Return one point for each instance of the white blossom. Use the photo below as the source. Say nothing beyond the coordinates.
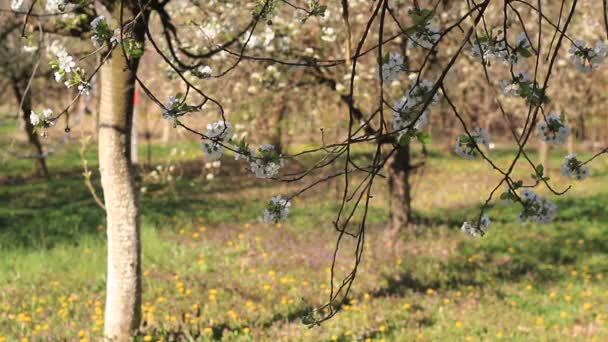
(54, 6)
(573, 168)
(266, 163)
(16, 5)
(42, 119)
(276, 210)
(328, 34)
(553, 130)
(588, 58)
(213, 149)
(473, 229)
(220, 130)
(392, 67)
(100, 29)
(84, 88)
(170, 113)
(536, 208)
(488, 52)
(408, 109)
(467, 147)
(425, 37)
(203, 71)
(65, 64)
(511, 88)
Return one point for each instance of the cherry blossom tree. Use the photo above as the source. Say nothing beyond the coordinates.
(391, 63)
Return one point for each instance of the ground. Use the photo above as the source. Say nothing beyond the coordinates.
(214, 271)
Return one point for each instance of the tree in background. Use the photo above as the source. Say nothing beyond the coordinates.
(16, 62)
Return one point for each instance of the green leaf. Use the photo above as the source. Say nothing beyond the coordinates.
(404, 139)
(423, 137)
(540, 169)
(524, 52)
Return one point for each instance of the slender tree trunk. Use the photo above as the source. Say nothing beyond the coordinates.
(32, 137)
(123, 297)
(398, 168)
(277, 139)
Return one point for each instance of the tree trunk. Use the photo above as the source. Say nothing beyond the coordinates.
(123, 297)
(277, 139)
(134, 137)
(32, 137)
(398, 168)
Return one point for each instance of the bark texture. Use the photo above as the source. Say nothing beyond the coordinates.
(398, 169)
(123, 296)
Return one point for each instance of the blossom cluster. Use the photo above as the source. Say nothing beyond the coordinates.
(64, 66)
(466, 146)
(475, 229)
(426, 37)
(553, 130)
(515, 87)
(536, 208)
(267, 162)
(588, 58)
(407, 110)
(573, 168)
(523, 86)
(219, 132)
(42, 119)
(424, 33)
(101, 32)
(176, 107)
(276, 210)
(391, 67)
(488, 49)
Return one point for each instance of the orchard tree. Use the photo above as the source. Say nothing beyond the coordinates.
(17, 60)
(392, 63)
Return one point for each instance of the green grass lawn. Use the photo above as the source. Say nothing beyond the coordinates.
(213, 271)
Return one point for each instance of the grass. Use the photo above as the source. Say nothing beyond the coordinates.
(213, 271)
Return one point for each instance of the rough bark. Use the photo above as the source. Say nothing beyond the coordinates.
(32, 137)
(398, 169)
(123, 296)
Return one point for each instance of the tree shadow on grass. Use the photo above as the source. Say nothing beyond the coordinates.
(41, 214)
(514, 252)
